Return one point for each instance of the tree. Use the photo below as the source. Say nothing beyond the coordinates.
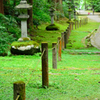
(1, 7)
(30, 12)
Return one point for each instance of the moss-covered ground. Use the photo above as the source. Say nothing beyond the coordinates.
(77, 77)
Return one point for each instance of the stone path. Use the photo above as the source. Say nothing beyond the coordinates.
(95, 17)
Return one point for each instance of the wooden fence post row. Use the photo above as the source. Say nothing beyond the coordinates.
(65, 39)
(45, 81)
(72, 26)
(75, 24)
(62, 41)
(59, 48)
(19, 90)
(80, 23)
(54, 55)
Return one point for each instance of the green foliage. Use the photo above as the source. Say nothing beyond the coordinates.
(5, 41)
(9, 32)
(66, 9)
(92, 4)
(8, 24)
(40, 12)
(24, 43)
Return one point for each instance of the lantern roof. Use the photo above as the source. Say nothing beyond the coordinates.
(23, 5)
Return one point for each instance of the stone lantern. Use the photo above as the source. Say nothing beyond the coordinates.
(52, 26)
(52, 14)
(23, 9)
(24, 45)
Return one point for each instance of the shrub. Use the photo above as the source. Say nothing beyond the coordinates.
(5, 41)
(9, 32)
(40, 12)
(10, 25)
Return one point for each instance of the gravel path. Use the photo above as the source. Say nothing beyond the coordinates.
(95, 17)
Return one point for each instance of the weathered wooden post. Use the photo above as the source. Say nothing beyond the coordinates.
(87, 20)
(72, 25)
(75, 24)
(54, 55)
(67, 34)
(59, 48)
(62, 42)
(83, 21)
(65, 37)
(19, 90)
(45, 81)
(80, 22)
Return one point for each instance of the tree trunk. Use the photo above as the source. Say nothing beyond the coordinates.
(30, 12)
(1, 7)
(58, 1)
(14, 3)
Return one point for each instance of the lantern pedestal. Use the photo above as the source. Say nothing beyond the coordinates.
(24, 28)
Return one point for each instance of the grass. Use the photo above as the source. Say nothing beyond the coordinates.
(76, 37)
(42, 35)
(77, 77)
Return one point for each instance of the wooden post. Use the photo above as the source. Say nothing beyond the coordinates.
(59, 48)
(67, 36)
(75, 24)
(80, 23)
(68, 33)
(87, 20)
(45, 81)
(54, 55)
(83, 21)
(62, 42)
(19, 90)
(72, 25)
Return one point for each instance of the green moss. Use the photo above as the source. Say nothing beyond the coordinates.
(25, 43)
(52, 27)
(19, 82)
(70, 21)
(24, 39)
(69, 10)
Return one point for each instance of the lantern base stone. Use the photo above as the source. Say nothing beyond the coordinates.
(24, 48)
(52, 27)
